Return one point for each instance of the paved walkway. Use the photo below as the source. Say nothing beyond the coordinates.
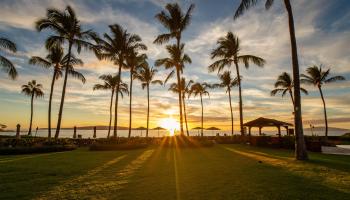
(338, 150)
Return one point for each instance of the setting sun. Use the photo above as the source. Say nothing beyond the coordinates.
(170, 124)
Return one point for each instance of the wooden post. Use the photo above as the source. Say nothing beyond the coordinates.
(260, 130)
(94, 136)
(18, 131)
(75, 132)
(250, 131)
(279, 131)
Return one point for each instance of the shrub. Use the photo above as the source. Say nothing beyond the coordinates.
(114, 147)
(35, 149)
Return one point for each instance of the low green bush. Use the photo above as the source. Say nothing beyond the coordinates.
(114, 147)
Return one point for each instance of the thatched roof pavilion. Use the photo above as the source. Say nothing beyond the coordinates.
(265, 122)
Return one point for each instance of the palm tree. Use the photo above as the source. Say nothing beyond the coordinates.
(300, 150)
(146, 75)
(32, 89)
(185, 88)
(175, 21)
(227, 82)
(317, 77)
(67, 29)
(201, 90)
(284, 84)
(56, 60)
(133, 62)
(176, 61)
(228, 53)
(115, 48)
(5, 64)
(110, 83)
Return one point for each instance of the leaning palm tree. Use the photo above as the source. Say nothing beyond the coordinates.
(175, 21)
(133, 62)
(56, 60)
(115, 48)
(201, 90)
(300, 150)
(67, 29)
(146, 75)
(283, 85)
(185, 89)
(317, 77)
(228, 53)
(227, 82)
(32, 89)
(110, 83)
(5, 64)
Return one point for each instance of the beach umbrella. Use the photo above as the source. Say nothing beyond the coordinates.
(141, 128)
(158, 128)
(213, 128)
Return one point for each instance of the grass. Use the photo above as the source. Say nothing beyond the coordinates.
(220, 172)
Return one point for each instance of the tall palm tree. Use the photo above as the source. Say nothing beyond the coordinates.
(284, 84)
(201, 90)
(317, 77)
(300, 150)
(115, 48)
(5, 64)
(133, 62)
(227, 82)
(110, 83)
(175, 21)
(228, 52)
(67, 29)
(146, 76)
(185, 89)
(32, 89)
(57, 60)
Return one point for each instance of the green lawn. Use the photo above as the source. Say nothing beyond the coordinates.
(221, 172)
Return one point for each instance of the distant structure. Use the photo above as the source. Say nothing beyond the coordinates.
(265, 122)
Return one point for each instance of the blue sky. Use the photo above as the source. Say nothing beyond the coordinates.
(322, 28)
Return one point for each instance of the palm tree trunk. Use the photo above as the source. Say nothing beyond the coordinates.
(229, 96)
(180, 100)
(324, 111)
(130, 101)
(31, 114)
(184, 105)
(291, 97)
(63, 92)
(110, 114)
(115, 133)
(178, 39)
(50, 102)
(147, 110)
(202, 116)
(300, 147)
(240, 100)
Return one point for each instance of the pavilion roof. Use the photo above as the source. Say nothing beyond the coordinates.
(265, 122)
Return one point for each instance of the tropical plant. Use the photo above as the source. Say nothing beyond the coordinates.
(110, 83)
(175, 21)
(227, 82)
(317, 77)
(300, 150)
(133, 62)
(56, 60)
(5, 64)
(32, 89)
(146, 75)
(283, 85)
(115, 48)
(176, 61)
(185, 88)
(201, 90)
(67, 29)
(228, 52)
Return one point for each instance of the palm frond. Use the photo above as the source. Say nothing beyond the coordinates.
(7, 45)
(8, 67)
